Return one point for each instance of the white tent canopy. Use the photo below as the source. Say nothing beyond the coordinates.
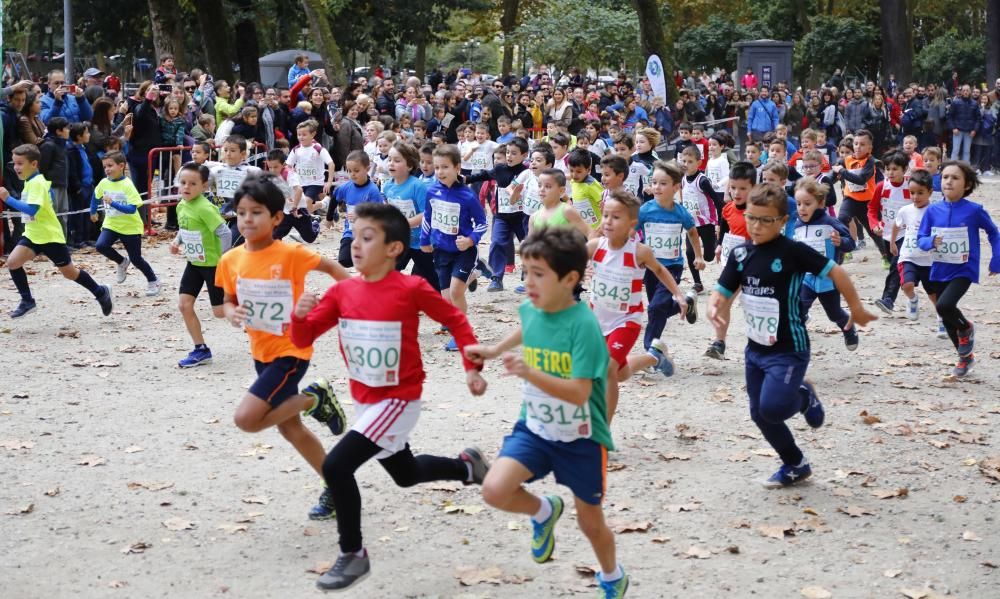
(274, 67)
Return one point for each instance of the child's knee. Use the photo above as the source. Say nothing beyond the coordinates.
(185, 304)
(495, 492)
(592, 525)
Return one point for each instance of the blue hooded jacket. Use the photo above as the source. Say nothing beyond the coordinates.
(821, 218)
(970, 216)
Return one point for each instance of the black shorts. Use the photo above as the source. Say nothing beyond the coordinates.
(196, 276)
(58, 253)
(344, 257)
(916, 274)
(278, 380)
(454, 265)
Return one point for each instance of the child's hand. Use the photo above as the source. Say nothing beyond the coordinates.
(427, 249)
(350, 217)
(106, 199)
(175, 248)
(307, 302)
(479, 353)
(718, 254)
(476, 382)
(877, 230)
(463, 243)
(860, 317)
(699, 263)
(938, 240)
(682, 302)
(837, 168)
(719, 318)
(835, 238)
(326, 188)
(4, 194)
(93, 218)
(514, 363)
(236, 316)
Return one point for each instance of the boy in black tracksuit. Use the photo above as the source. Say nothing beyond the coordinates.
(54, 167)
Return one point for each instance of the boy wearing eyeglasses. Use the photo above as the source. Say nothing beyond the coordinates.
(769, 271)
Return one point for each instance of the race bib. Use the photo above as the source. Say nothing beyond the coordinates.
(814, 237)
(307, 173)
(479, 162)
(664, 239)
(587, 212)
(192, 246)
(889, 211)
(532, 202)
(690, 204)
(954, 248)
(269, 303)
(405, 206)
(371, 349)
(611, 288)
(855, 187)
(910, 250)
(117, 197)
(444, 216)
(762, 315)
(504, 205)
(554, 419)
(730, 241)
(227, 181)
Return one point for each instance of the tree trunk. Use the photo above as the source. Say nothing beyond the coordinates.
(652, 40)
(421, 57)
(508, 21)
(168, 37)
(319, 23)
(897, 41)
(992, 41)
(215, 39)
(247, 47)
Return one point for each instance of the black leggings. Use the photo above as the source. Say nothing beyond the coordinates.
(133, 246)
(423, 265)
(708, 240)
(948, 295)
(301, 221)
(405, 469)
(857, 211)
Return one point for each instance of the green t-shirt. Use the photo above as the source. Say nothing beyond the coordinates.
(44, 226)
(198, 220)
(567, 344)
(122, 191)
(587, 200)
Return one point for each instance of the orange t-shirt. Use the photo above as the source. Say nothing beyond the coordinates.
(855, 191)
(268, 283)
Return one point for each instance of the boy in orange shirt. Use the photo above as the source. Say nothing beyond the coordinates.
(858, 173)
(262, 281)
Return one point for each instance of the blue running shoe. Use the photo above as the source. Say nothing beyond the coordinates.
(787, 476)
(851, 338)
(813, 411)
(197, 357)
(543, 539)
(105, 300)
(612, 590)
(664, 364)
(966, 341)
(520, 290)
(964, 364)
(27, 306)
(451, 346)
(323, 510)
(495, 285)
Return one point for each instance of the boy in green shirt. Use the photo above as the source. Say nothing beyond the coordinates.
(43, 233)
(202, 239)
(122, 221)
(563, 426)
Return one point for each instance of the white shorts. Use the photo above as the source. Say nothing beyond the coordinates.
(387, 423)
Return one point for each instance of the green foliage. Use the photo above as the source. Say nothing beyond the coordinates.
(781, 18)
(837, 42)
(952, 52)
(711, 45)
(582, 35)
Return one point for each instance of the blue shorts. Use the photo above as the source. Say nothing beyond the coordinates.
(579, 465)
(278, 380)
(916, 274)
(58, 253)
(314, 192)
(454, 265)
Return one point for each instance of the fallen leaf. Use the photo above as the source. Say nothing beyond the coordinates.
(117, 584)
(133, 449)
(615, 467)
(14, 444)
(320, 567)
(869, 418)
(470, 576)
(810, 511)
(970, 536)
(855, 511)
(939, 444)
(234, 528)
(739, 457)
(53, 491)
(25, 509)
(683, 507)
(290, 469)
(683, 457)
(471, 510)
(585, 570)
(250, 518)
(915, 593)
(178, 524)
(512, 525)
(258, 499)
(139, 547)
(814, 592)
(149, 486)
(310, 532)
(91, 460)
(779, 531)
(698, 552)
(889, 493)
(892, 573)
(990, 467)
(211, 421)
(766, 452)
(68, 333)
(626, 527)
(959, 498)
(660, 540)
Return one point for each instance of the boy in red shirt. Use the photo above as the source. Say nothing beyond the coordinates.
(699, 141)
(379, 314)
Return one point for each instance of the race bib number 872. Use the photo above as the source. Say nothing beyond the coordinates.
(268, 303)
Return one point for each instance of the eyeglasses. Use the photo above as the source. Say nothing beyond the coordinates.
(189, 89)
(764, 220)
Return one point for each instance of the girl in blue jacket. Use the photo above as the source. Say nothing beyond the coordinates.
(951, 229)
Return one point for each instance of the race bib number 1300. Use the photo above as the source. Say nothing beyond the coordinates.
(371, 349)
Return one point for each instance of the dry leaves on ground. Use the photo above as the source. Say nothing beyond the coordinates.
(176, 524)
(815, 592)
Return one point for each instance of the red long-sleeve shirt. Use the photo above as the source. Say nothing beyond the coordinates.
(397, 298)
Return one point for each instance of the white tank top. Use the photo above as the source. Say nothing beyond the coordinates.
(616, 289)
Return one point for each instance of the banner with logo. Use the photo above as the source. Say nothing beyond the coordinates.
(654, 72)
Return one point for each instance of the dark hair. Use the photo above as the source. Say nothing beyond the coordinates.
(684, 127)
(615, 163)
(520, 144)
(969, 173)
(580, 157)
(76, 130)
(560, 138)
(770, 194)
(390, 220)
(896, 157)
(922, 178)
(360, 157)
(204, 145)
(428, 148)
(27, 151)
(276, 155)
(450, 152)
(864, 133)
(564, 249)
(57, 123)
(670, 169)
(692, 151)
(556, 174)
(725, 139)
(201, 169)
(263, 189)
(743, 171)
(117, 157)
(237, 140)
(626, 139)
(547, 155)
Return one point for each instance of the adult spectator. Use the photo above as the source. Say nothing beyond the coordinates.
(523, 111)
(915, 112)
(225, 109)
(937, 119)
(878, 122)
(143, 133)
(559, 109)
(762, 118)
(283, 114)
(30, 128)
(112, 83)
(748, 81)
(856, 111)
(349, 136)
(953, 85)
(268, 116)
(630, 111)
(836, 80)
(93, 83)
(646, 93)
(963, 120)
(386, 101)
(10, 112)
(58, 101)
(794, 116)
(102, 125)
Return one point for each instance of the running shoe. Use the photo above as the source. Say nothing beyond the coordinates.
(813, 410)
(885, 263)
(24, 308)
(325, 406)
(699, 288)
(964, 364)
(122, 271)
(942, 332)
(884, 305)
(787, 476)
(348, 570)
(474, 458)
(153, 288)
(692, 307)
(664, 364)
(520, 290)
(484, 269)
(913, 308)
(716, 350)
(612, 590)
(473, 282)
(966, 341)
(543, 539)
(851, 338)
(509, 269)
(861, 244)
(106, 301)
(451, 345)
(197, 357)
(495, 285)
(324, 508)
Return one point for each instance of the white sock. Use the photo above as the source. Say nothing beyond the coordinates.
(613, 576)
(468, 466)
(544, 512)
(803, 463)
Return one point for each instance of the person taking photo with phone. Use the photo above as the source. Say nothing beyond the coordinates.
(64, 100)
